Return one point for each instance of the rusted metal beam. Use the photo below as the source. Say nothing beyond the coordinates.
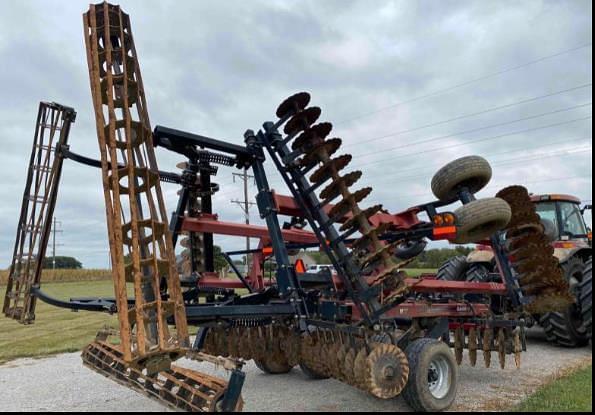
(141, 249)
(141, 245)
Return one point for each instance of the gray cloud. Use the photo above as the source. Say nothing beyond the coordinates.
(219, 68)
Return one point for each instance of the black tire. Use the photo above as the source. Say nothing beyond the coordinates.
(478, 272)
(481, 219)
(311, 373)
(566, 328)
(272, 367)
(409, 249)
(472, 172)
(586, 298)
(453, 270)
(426, 357)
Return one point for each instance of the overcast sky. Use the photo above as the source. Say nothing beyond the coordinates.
(221, 67)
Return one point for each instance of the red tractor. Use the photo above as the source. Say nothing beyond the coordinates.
(563, 219)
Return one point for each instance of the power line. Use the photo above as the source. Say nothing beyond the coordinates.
(505, 162)
(456, 86)
(493, 186)
(516, 150)
(563, 153)
(429, 140)
(488, 110)
(485, 139)
(474, 142)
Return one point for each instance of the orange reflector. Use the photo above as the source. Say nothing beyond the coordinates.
(445, 232)
(300, 267)
(267, 251)
(438, 220)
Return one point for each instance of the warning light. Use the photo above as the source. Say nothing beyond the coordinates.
(267, 251)
(444, 219)
(449, 218)
(300, 267)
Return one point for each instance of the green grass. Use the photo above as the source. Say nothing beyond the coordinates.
(572, 393)
(416, 272)
(55, 330)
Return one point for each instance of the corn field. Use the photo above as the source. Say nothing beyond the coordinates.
(66, 275)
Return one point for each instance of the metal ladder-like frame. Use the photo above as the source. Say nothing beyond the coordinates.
(37, 209)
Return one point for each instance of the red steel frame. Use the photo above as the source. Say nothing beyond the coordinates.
(426, 283)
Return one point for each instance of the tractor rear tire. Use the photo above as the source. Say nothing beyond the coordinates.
(566, 328)
(271, 366)
(472, 173)
(478, 272)
(586, 298)
(433, 376)
(480, 219)
(312, 374)
(453, 270)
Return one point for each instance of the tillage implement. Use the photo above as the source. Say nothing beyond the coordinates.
(362, 321)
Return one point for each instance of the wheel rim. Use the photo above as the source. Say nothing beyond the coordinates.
(439, 377)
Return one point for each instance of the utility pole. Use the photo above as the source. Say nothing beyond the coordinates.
(245, 206)
(54, 232)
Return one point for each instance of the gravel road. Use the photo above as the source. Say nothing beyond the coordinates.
(61, 383)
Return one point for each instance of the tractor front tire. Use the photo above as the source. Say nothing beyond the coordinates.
(472, 173)
(433, 376)
(480, 219)
(566, 328)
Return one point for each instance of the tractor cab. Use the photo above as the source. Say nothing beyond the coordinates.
(562, 217)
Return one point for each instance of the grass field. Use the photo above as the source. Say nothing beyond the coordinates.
(415, 272)
(55, 330)
(572, 393)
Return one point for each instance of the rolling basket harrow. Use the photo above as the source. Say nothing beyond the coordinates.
(366, 324)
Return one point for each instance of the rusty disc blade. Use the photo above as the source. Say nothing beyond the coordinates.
(316, 132)
(513, 193)
(375, 258)
(386, 273)
(348, 366)
(502, 348)
(320, 152)
(488, 335)
(353, 222)
(330, 169)
(345, 206)
(359, 368)
(472, 346)
(302, 120)
(387, 371)
(459, 338)
(334, 189)
(366, 239)
(294, 103)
